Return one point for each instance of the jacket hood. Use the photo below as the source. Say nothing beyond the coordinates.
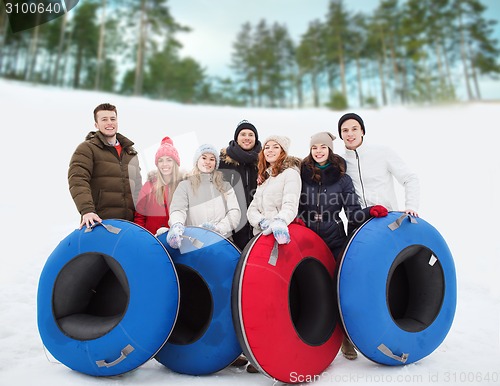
(152, 176)
(98, 139)
(292, 162)
(329, 175)
(224, 157)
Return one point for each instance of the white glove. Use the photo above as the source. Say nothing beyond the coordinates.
(210, 226)
(174, 237)
(161, 231)
(264, 225)
(280, 231)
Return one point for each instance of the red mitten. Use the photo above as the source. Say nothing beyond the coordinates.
(298, 221)
(378, 211)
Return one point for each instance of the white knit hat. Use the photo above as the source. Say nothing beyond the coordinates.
(206, 148)
(283, 141)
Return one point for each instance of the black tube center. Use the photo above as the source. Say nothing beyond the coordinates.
(312, 302)
(195, 309)
(415, 288)
(91, 296)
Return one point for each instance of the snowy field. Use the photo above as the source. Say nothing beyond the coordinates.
(454, 150)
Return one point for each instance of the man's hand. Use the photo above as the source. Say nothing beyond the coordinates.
(411, 212)
(89, 219)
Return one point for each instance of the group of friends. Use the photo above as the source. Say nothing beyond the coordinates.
(249, 187)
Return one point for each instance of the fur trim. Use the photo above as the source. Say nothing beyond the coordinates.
(224, 157)
(330, 175)
(292, 162)
(152, 176)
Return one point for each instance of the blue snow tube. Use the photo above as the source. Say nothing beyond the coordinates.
(204, 340)
(396, 289)
(108, 299)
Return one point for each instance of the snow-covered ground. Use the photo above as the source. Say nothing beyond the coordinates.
(454, 149)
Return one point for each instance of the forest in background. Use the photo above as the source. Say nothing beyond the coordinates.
(405, 52)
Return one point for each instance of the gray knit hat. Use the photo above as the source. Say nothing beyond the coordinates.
(283, 141)
(323, 138)
(206, 148)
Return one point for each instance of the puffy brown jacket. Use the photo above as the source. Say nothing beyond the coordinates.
(102, 182)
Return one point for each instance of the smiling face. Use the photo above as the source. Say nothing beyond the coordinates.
(272, 151)
(165, 166)
(246, 139)
(352, 134)
(319, 153)
(206, 163)
(107, 123)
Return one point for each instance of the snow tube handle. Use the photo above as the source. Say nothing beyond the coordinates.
(196, 243)
(273, 257)
(109, 228)
(123, 355)
(387, 351)
(396, 224)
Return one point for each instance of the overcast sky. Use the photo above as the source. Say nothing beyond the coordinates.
(215, 24)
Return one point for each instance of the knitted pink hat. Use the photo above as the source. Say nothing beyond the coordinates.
(167, 149)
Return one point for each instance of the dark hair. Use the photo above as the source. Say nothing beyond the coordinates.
(104, 107)
(337, 162)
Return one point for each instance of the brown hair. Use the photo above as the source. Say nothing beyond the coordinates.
(334, 159)
(263, 165)
(104, 107)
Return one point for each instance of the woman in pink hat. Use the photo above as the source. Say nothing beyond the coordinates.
(156, 194)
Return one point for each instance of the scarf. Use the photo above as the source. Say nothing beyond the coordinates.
(322, 167)
(243, 156)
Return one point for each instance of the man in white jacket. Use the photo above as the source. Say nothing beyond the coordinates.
(372, 169)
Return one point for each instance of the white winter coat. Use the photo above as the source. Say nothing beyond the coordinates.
(277, 197)
(372, 169)
(206, 204)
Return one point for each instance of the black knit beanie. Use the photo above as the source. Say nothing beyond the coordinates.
(245, 125)
(348, 116)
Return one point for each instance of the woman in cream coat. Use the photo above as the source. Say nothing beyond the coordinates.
(276, 201)
(203, 199)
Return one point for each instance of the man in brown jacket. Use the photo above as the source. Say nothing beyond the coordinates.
(104, 174)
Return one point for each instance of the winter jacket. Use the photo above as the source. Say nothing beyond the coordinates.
(242, 175)
(321, 203)
(206, 204)
(149, 213)
(277, 197)
(372, 169)
(103, 182)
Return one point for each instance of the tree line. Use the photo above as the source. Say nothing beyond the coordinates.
(412, 51)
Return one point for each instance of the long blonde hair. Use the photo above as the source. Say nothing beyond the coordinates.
(218, 179)
(160, 185)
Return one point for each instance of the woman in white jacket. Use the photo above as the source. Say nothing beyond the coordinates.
(203, 199)
(276, 200)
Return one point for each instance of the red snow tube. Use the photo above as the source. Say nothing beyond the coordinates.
(284, 306)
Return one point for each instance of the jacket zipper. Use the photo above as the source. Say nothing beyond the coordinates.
(361, 178)
(318, 207)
